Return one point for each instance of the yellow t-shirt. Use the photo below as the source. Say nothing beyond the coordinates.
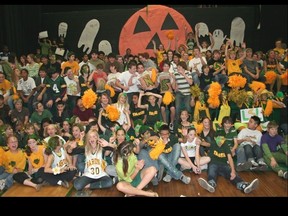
(233, 66)
(14, 160)
(1, 156)
(37, 158)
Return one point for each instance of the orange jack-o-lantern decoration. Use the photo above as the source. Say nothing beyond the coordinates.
(153, 22)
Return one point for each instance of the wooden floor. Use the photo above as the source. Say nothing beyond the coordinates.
(270, 186)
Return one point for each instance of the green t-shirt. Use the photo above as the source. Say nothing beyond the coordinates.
(229, 137)
(218, 154)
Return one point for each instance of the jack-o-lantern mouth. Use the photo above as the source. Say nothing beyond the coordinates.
(142, 26)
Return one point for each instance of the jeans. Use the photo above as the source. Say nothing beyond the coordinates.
(181, 100)
(253, 152)
(241, 156)
(103, 182)
(221, 79)
(215, 170)
(9, 179)
(170, 161)
(195, 78)
(144, 155)
(80, 164)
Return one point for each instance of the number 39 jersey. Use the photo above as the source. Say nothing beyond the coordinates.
(95, 166)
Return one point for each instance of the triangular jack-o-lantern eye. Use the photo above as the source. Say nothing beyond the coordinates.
(157, 40)
(141, 26)
(169, 23)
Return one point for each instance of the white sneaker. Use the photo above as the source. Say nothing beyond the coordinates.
(262, 163)
(252, 186)
(167, 178)
(203, 183)
(2, 184)
(254, 163)
(171, 126)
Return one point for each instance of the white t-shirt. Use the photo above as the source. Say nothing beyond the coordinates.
(190, 148)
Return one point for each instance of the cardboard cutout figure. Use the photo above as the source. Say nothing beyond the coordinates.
(237, 31)
(88, 35)
(62, 29)
(219, 38)
(105, 46)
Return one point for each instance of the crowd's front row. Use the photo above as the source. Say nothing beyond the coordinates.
(98, 161)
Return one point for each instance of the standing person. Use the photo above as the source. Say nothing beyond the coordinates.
(132, 177)
(184, 81)
(94, 175)
(129, 80)
(58, 169)
(167, 83)
(37, 158)
(220, 154)
(275, 150)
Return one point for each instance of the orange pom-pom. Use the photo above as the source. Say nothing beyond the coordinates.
(270, 77)
(170, 34)
(89, 98)
(257, 87)
(168, 98)
(269, 108)
(236, 81)
(153, 75)
(214, 91)
(284, 78)
(112, 113)
(112, 91)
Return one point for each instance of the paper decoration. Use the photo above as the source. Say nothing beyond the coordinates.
(43, 34)
(88, 35)
(237, 31)
(62, 29)
(105, 46)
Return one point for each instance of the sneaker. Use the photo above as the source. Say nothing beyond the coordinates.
(254, 163)
(83, 193)
(167, 178)
(2, 184)
(281, 173)
(252, 186)
(115, 180)
(160, 172)
(243, 166)
(285, 175)
(204, 184)
(171, 127)
(262, 163)
(185, 179)
(65, 184)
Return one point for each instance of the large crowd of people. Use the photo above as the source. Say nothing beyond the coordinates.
(101, 120)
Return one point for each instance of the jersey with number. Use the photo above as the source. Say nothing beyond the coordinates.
(95, 165)
(56, 86)
(59, 160)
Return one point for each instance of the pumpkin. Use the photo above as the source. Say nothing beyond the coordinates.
(153, 22)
